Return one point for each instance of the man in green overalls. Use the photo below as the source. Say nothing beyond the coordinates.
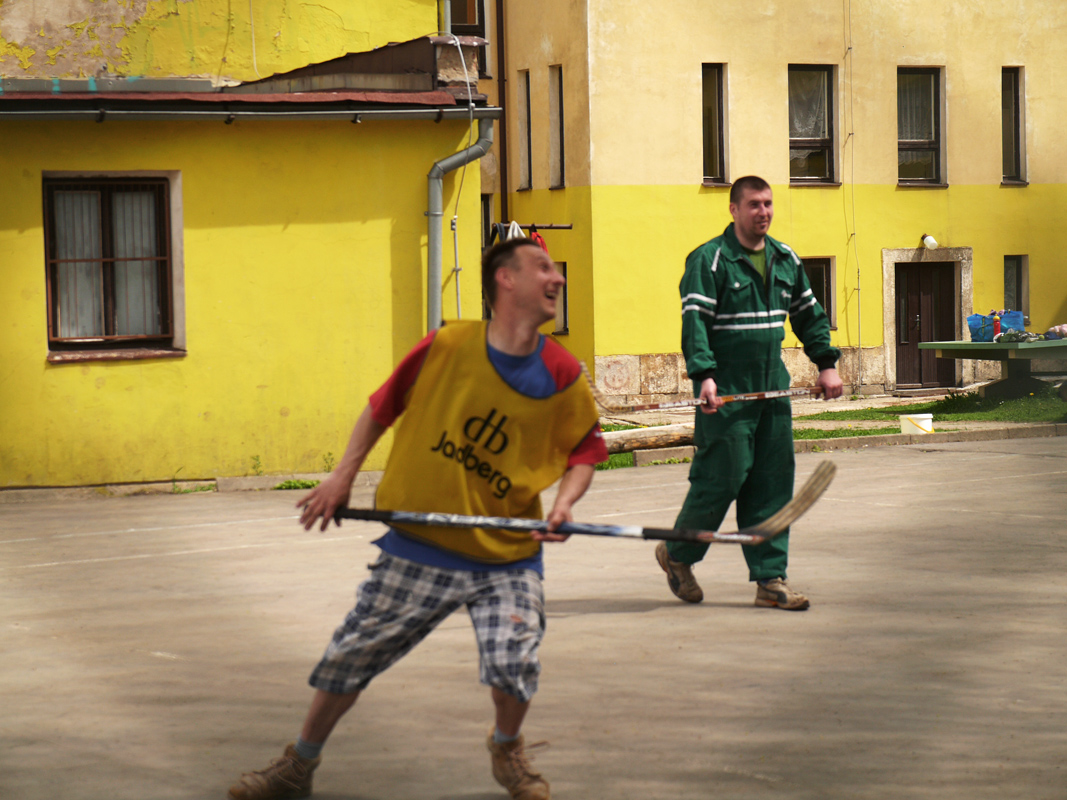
(737, 291)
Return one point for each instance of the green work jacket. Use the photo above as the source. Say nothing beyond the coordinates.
(733, 321)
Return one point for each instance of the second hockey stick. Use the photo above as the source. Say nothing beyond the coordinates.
(622, 408)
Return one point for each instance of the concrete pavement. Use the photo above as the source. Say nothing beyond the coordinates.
(158, 646)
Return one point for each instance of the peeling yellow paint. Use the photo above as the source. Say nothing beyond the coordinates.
(206, 38)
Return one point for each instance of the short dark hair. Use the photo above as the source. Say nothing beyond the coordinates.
(500, 255)
(752, 182)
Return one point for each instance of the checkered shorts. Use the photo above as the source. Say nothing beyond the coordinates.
(402, 601)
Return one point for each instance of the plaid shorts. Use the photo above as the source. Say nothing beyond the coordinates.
(402, 601)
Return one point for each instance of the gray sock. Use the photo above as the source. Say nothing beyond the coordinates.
(500, 738)
(307, 749)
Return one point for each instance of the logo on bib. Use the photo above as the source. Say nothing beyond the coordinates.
(474, 429)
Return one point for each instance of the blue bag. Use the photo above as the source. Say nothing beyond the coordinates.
(981, 325)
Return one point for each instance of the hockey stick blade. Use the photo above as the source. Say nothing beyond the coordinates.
(812, 490)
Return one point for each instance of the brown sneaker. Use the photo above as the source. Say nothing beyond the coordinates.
(776, 593)
(286, 777)
(679, 576)
(512, 770)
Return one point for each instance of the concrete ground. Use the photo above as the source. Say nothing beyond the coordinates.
(158, 646)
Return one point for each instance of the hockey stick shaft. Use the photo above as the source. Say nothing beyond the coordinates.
(691, 402)
(757, 534)
(531, 525)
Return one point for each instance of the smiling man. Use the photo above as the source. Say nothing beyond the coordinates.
(737, 291)
(488, 415)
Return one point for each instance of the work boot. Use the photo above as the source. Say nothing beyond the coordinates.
(679, 576)
(286, 777)
(512, 770)
(776, 593)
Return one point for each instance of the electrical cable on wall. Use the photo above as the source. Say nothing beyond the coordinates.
(463, 173)
(252, 25)
(850, 55)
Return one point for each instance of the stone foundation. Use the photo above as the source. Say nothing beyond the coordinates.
(662, 377)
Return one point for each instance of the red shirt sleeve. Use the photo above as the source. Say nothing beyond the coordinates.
(565, 369)
(391, 399)
(591, 450)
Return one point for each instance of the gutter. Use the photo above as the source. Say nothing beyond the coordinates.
(228, 115)
(435, 213)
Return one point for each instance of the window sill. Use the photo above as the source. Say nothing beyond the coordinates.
(714, 182)
(795, 184)
(524, 189)
(921, 185)
(557, 186)
(133, 354)
(1015, 184)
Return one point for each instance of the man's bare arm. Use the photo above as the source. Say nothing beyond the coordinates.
(333, 492)
(575, 481)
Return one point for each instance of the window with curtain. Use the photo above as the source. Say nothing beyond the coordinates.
(918, 125)
(1011, 123)
(712, 101)
(108, 263)
(811, 123)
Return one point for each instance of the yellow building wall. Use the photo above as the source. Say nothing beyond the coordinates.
(205, 38)
(641, 107)
(305, 283)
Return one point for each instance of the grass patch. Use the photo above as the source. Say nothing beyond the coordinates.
(617, 461)
(838, 433)
(298, 484)
(209, 487)
(1043, 406)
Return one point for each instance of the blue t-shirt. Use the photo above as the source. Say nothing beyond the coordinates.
(527, 375)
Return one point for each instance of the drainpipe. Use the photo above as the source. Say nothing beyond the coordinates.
(435, 212)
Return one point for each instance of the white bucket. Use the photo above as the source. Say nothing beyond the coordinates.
(917, 423)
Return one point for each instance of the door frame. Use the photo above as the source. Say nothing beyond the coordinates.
(963, 281)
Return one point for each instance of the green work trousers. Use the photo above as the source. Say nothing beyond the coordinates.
(744, 452)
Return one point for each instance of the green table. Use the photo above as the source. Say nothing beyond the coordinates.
(1016, 357)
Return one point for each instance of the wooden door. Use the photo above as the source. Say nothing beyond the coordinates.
(926, 312)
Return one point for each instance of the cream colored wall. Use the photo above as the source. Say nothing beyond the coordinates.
(539, 35)
(649, 208)
(304, 285)
(205, 38)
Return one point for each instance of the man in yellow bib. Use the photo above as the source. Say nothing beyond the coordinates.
(490, 414)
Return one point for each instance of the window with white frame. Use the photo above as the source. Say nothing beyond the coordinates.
(113, 278)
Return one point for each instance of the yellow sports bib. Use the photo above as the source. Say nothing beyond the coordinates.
(470, 444)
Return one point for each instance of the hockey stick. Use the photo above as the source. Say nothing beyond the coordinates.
(756, 534)
(604, 403)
